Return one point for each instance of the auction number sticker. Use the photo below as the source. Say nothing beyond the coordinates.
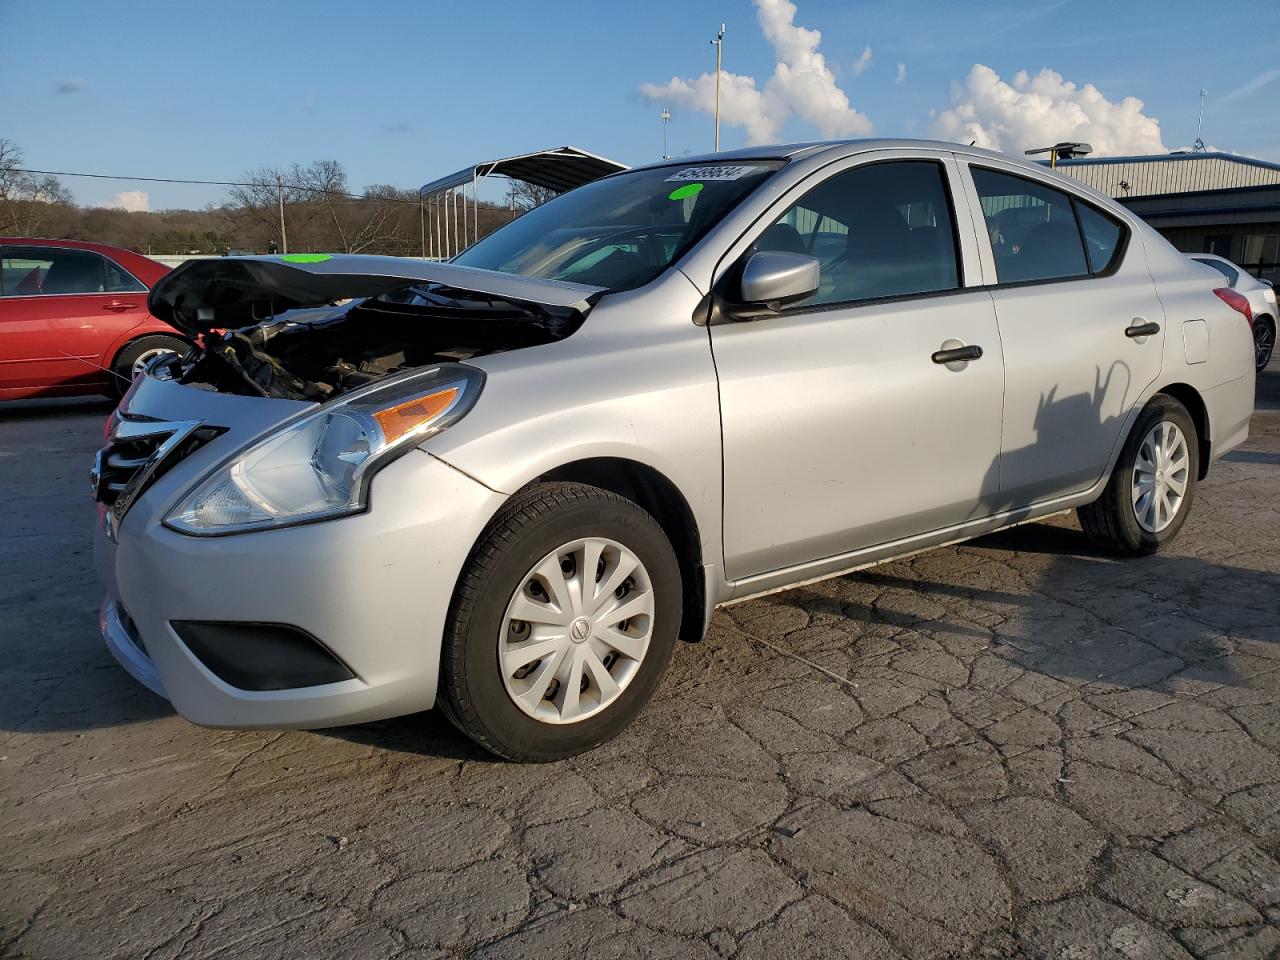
(716, 171)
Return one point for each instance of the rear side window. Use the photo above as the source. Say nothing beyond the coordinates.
(1222, 268)
(881, 230)
(1032, 229)
(118, 281)
(1101, 236)
(48, 271)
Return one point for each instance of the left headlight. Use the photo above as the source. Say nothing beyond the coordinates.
(319, 465)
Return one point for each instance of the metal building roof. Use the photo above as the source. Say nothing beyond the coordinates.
(559, 169)
(1164, 174)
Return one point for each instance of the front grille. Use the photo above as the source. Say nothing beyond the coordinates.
(139, 452)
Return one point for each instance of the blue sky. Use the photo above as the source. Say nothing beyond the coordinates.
(403, 92)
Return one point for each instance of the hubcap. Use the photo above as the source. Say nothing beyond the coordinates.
(1264, 340)
(1160, 475)
(576, 631)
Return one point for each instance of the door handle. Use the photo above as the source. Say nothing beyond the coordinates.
(117, 306)
(956, 354)
(1150, 328)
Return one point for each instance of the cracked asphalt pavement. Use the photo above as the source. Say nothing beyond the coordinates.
(1015, 747)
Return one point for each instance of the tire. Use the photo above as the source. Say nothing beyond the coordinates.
(1264, 341)
(499, 579)
(141, 349)
(1112, 522)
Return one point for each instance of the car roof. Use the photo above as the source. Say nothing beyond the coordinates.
(839, 149)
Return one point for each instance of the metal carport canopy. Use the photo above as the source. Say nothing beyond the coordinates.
(559, 169)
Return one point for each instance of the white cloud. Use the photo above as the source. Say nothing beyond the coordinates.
(902, 74)
(802, 85)
(1042, 110)
(135, 201)
(863, 62)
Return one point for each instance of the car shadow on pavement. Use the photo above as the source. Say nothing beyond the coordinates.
(46, 408)
(428, 733)
(1166, 622)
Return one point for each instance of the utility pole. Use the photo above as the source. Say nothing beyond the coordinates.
(284, 237)
(718, 43)
(666, 119)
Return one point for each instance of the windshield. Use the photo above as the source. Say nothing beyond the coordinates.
(622, 231)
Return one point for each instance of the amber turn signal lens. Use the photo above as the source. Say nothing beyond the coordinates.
(405, 417)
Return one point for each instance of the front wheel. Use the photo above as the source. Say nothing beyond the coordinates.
(1148, 497)
(562, 624)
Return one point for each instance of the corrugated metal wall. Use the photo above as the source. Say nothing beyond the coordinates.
(1175, 174)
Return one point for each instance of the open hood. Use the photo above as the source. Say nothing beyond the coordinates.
(228, 292)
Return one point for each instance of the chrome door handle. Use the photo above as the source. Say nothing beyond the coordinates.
(955, 354)
(1147, 329)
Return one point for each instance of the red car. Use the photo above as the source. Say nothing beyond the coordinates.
(73, 318)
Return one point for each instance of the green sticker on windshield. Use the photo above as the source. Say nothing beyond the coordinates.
(305, 257)
(688, 190)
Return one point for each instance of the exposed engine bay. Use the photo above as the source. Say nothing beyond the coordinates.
(317, 353)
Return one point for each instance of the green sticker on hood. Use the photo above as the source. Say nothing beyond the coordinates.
(688, 190)
(306, 257)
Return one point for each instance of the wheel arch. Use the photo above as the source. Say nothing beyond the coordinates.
(1190, 398)
(652, 490)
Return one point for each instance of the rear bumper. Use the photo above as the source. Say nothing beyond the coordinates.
(1230, 407)
(374, 588)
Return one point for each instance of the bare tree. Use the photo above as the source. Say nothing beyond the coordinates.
(26, 199)
(522, 195)
(320, 211)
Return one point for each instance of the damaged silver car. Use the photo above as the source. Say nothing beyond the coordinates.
(507, 485)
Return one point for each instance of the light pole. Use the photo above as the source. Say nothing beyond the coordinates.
(718, 43)
(666, 119)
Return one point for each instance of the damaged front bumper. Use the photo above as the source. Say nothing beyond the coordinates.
(373, 590)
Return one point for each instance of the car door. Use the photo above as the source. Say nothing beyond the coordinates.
(60, 310)
(1081, 325)
(840, 431)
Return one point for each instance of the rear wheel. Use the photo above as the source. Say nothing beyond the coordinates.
(1264, 341)
(1148, 497)
(562, 624)
(135, 355)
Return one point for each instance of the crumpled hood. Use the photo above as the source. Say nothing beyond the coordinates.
(227, 292)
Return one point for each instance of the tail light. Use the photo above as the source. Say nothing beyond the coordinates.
(1236, 302)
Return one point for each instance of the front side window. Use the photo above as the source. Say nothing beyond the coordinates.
(47, 271)
(623, 231)
(879, 230)
(1032, 229)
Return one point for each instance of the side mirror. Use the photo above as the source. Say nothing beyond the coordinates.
(773, 278)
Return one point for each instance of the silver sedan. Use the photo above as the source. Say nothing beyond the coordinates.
(508, 485)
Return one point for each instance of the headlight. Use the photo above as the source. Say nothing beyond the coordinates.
(319, 466)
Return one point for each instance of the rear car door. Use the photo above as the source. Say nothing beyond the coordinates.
(60, 311)
(840, 431)
(1081, 326)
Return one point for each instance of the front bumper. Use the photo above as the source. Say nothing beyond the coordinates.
(374, 588)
